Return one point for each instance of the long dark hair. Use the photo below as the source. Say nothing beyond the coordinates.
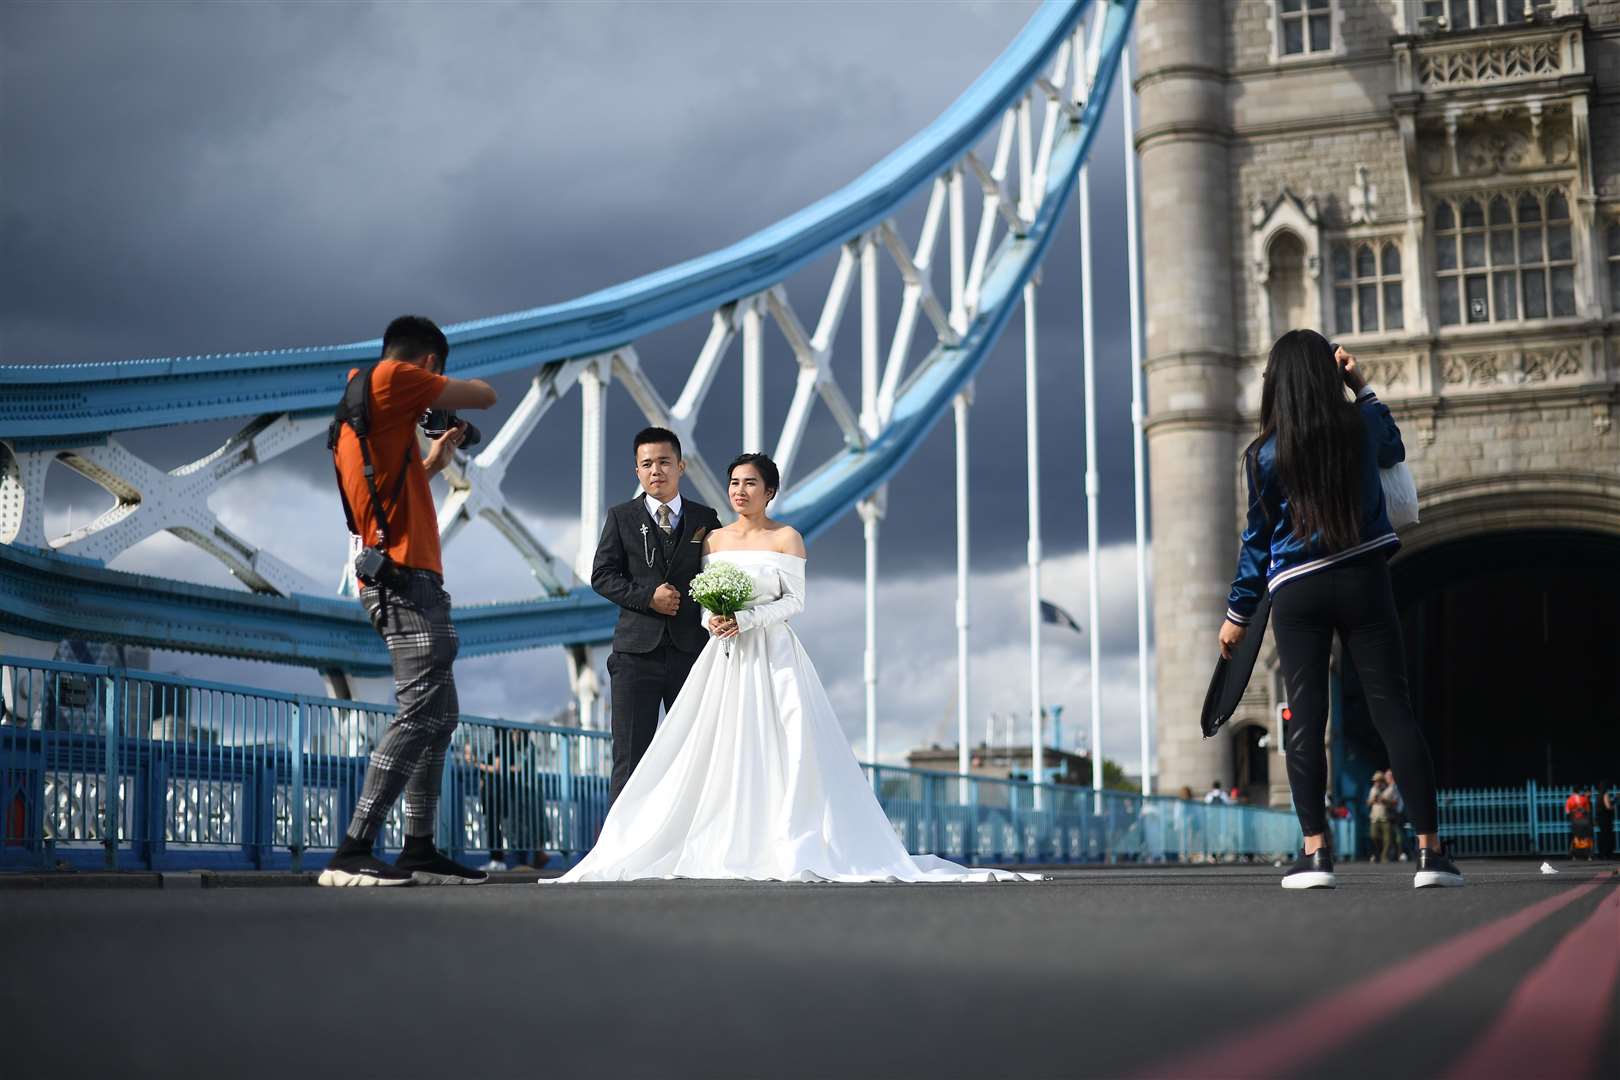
(1319, 439)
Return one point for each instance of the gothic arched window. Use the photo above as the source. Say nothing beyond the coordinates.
(1286, 283)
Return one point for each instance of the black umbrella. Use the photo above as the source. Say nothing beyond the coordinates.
(1231, 676)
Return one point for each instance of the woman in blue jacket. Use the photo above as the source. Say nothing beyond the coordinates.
(1318, 540)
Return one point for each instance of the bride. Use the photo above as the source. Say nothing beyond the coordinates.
(750, 776)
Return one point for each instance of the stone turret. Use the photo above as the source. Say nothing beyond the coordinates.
(1190, 365)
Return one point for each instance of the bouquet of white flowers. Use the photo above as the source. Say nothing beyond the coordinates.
(723, 588)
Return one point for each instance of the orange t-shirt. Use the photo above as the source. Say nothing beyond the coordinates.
(400, 393)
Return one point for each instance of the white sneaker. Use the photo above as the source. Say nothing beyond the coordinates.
(493, 864)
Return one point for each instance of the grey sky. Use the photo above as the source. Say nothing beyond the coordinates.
(182, 178)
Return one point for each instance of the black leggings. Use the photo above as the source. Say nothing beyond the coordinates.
(1355, 599)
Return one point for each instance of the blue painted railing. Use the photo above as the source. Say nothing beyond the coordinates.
(1526, 820)
(104, 766)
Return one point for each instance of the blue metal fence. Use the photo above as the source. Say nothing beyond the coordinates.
(1008, 821)
(1526, 820)
(103, 766)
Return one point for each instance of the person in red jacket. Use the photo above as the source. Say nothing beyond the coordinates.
(1578, 809)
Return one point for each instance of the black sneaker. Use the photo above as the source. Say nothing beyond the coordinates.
(1435, 870)
(432, 867)
(1314, 871)
(362, 868)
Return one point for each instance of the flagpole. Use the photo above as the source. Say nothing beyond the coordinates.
(962, 710)
(1092, 484)
(1032, 424)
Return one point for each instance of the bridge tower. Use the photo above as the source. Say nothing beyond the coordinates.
(1435, 185)
(1190, 365)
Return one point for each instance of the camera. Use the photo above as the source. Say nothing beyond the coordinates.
(373, 565)
(435, 422)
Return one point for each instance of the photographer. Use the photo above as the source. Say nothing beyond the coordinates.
(383, 480)
(1317, 541)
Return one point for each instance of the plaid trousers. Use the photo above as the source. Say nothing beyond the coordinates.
(422, 644)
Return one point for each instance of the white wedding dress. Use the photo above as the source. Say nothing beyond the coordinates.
(749, 776)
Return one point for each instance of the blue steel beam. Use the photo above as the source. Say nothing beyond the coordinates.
(55, 404)
(52, 596)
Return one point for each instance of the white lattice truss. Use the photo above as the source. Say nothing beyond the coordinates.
(148, 500)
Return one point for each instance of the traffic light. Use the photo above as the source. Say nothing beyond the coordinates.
(1284, 715)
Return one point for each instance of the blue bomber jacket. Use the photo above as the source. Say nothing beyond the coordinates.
(1272, 555)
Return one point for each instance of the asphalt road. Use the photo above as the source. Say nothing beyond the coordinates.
(1107, 972)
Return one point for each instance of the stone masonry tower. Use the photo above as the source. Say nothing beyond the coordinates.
(1190, 362)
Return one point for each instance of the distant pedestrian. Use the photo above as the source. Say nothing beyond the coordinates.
(1317, 541)
(1603, 814)
(1578, 812)
(1399, 820)
(1216, 795)
(1186, 792)
(506, 796)
(1381, 816)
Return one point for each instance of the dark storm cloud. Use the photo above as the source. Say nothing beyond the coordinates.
(192, 178)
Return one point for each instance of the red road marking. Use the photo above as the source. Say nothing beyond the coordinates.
(1555, 1022)
(1312, 1031)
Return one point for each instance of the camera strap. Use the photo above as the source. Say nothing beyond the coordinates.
(355, 411)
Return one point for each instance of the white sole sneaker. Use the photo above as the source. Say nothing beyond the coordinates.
(1311, 879)
(342, 878)
(1434, 879)
(422, 877)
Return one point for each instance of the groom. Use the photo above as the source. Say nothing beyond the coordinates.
(651, 548)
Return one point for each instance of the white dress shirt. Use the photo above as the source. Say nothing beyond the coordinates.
(674, 509)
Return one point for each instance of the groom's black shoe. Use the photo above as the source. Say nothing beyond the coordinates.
(429, 866)
(1313, 871)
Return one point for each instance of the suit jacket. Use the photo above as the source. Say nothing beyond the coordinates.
(632, 561)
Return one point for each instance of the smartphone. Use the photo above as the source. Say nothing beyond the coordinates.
(1343, 373)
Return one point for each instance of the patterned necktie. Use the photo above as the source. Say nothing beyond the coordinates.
(664, 522)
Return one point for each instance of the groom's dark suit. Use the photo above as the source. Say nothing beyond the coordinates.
(652, 653)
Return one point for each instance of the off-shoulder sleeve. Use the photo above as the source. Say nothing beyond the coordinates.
(780, 610)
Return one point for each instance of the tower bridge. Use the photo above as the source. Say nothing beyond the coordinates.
(1350, 169)
(1433, 182)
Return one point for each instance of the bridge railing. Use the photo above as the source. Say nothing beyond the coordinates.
(987, 820)
(105, 766)
(1526, 820)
